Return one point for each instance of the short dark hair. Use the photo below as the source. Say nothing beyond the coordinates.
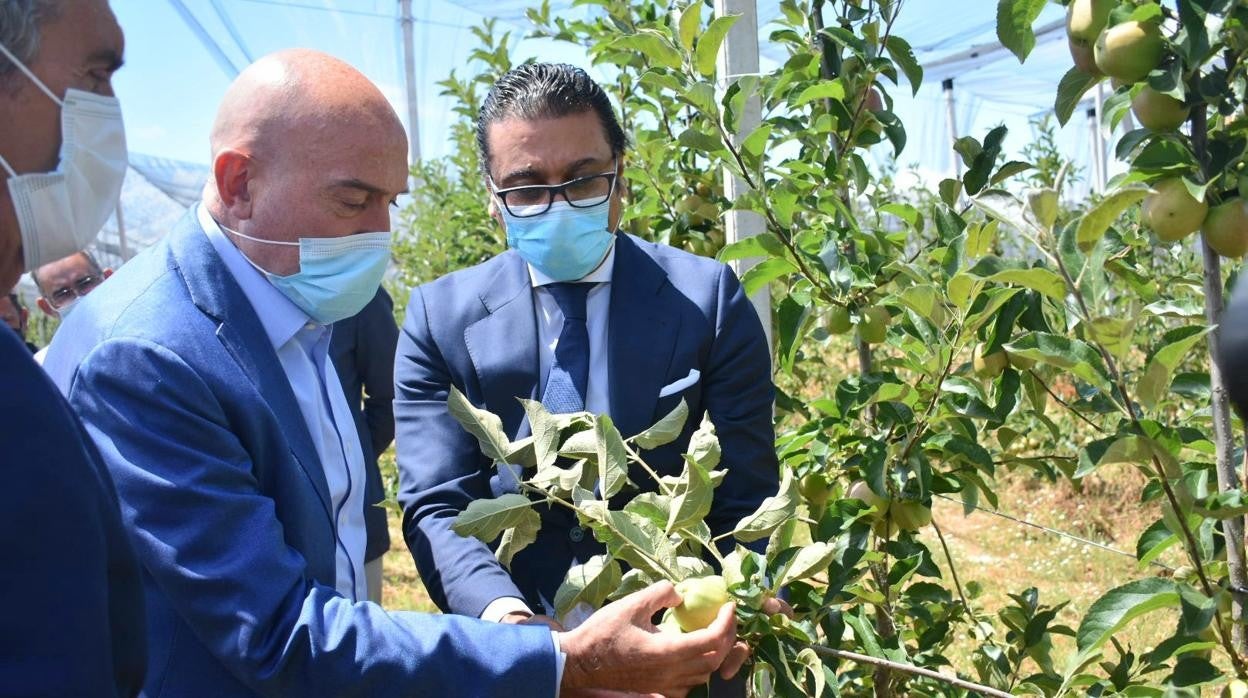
(94, 265)
(546, 91)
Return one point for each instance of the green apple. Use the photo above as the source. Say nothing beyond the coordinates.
(1129, 51)
(701, 599)
(1021, 363)
(874, 326)
(862, 491)
(669, 624)
(1157, 111)
(1085, 19)
(815, 488)
(1171, 210)
(836, 320)
(990, 365)
(1226, 228)
(1235, 689)
(909, 515)
(1082, 53)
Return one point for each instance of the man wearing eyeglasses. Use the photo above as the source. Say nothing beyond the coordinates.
(580, 317)
(63, 282)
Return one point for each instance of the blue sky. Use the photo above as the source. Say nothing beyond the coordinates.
(171, 84)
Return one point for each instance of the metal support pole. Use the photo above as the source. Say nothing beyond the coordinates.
(121, 235)
(1101, 155)
(409, 75)
(951, 118)
(1098, 152)
(739, 56)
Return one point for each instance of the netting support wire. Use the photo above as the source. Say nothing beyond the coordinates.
(1054, 531)
(739, 56)
(121, 234)
(1099, 138)
(951, 118)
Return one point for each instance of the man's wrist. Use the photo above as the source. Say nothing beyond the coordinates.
(503, 606)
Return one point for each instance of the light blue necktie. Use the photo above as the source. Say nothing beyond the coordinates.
(569, 373)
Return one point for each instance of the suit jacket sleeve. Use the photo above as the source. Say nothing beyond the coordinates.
(738, 396)
(377, 337)
(441, 471)
(213, 545)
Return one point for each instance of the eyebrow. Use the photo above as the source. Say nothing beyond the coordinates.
(529, 172)
(360, 184)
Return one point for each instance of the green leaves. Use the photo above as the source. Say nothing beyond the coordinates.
(612, 457)
(1014, 20)
(487, 427)
(1160, 371)
(654, 46)
(708, 44)
(589, 583)
(901, 53)
(1070, 91)
(1098, 219)
(486, 519)
(773, 512)
(666, 430)
(1072, 355)
(1119, 607)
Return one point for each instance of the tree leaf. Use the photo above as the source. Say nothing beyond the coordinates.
(1153, 542)
(704, 445)
(1071, 355)
(690, 22)
(1157, 376)
(1098, 219)
(765, 244)
(637, 541)
(1007, 208)
(1070, 91)
(809, 561)
(765, 272)
(484, 425)
(589, 583)
(1120, 606)
(666, 430)
(825, 89)
(691, 498)
(612, 457)
(773, 512)
(653, 45)
(1037, 279)
(485, 519)
(708, 44)
(1014, 20)
(546, 434)
(901, 53)
(518, 538)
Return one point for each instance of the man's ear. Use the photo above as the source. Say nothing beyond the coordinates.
(232, 174)
(46, 307)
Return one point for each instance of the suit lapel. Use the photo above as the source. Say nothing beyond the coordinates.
(642, 331)
(503, 344)
(216, 293)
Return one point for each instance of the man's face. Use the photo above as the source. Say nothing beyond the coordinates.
(551, 151)
(80, 48)
(64, 281)
(13, 316)
(330, 183)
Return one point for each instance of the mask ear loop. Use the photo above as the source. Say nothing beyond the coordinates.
(27, 72)
(7, 168)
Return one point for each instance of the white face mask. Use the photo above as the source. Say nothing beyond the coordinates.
(60, 213)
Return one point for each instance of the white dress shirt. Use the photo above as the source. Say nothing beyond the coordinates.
(302, 347)
(597, 392)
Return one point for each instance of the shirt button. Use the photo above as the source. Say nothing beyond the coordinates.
(577, 534)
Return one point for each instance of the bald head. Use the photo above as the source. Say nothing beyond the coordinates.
(303, 145)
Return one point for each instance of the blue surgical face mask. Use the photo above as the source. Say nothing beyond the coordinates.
(337, 277)
(565, 243)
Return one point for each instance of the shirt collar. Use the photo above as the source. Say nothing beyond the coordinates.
(600, 275)
(279, 316)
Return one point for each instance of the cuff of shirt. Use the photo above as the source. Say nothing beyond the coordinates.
(560, 660)
(502, 606)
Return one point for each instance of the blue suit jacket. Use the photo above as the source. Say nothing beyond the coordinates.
(670, 312)
(72, 623)
(228, 508)
(362, 348)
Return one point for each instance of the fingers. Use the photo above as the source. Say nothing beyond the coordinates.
(653, 599)
(735, 660)
(544, 620)
(774, 605)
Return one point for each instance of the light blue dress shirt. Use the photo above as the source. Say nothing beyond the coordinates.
(302, 347)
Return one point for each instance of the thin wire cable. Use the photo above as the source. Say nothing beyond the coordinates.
(361, 13)
(1054, 531)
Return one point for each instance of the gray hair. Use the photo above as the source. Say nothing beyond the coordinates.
(20, 22)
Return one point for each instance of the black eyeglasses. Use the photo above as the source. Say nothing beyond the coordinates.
(68, 294)
(536, 199)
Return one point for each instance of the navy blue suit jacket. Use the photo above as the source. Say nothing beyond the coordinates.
(362, 348)
(670, 312)
(227, 505)
(72, 623)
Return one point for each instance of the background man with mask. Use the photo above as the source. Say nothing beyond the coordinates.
(201, 371)
(63, 282)
(576, 316)
(73, 618)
